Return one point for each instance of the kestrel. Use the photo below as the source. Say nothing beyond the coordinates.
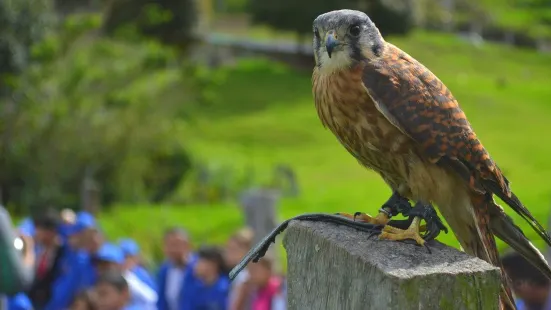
(398, 119)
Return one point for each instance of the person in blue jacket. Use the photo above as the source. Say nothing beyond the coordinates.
(110, 257)
(78, 269)
(19, 302)
(172, 273)
(90, 239)
(68, 219)
(208, 286)
(131, 251)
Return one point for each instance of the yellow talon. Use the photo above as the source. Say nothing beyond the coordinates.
(381, 218)
(393, 233)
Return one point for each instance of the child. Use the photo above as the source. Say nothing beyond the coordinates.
(237, 246)
(112, 292)
(110, 257)
(84, 301)
(208, 286)
(131, 251)
(268, 288)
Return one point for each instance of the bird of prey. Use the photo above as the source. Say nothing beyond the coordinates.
(398, 119)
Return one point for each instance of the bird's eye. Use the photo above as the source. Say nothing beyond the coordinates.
(355, 30)
(316, 32)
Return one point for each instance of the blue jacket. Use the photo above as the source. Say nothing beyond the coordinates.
(42, 288)
(198, 296)
(162, 303)
(133, 307)
(78, 274)
(19, 302)
(145, 276)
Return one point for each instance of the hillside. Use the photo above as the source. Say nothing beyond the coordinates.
(264, 115)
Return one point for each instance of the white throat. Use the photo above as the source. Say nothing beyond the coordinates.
(338, 62)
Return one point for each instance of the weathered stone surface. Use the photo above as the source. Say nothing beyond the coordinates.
(336, 267)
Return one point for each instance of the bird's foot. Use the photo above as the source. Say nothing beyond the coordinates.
(433, 223)
(395, 205)
(381, 219)
(432, 228)
(397, 234)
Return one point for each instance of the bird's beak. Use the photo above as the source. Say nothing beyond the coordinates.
(331, 42)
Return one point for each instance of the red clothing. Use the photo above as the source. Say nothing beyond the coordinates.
(43, 264)
(264, 296)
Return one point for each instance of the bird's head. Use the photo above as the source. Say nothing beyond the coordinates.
(343, 38)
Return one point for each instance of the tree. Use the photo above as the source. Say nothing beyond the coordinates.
(392, 16)
(22, 23)
(297, 16)
(102, 108)
(170, 21)
(291, 15)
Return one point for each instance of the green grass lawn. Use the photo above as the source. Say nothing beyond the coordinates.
(264, 115)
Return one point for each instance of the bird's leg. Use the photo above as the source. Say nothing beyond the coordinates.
(393, 233)
(420, 211)
(395, 205)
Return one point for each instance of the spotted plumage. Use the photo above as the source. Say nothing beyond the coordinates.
(398, 119)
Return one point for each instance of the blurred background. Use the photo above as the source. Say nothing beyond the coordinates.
(199, 113)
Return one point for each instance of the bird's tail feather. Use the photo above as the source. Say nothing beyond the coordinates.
(485, 246)
(512, 201)
(504, 228)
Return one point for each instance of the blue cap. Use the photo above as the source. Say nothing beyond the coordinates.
(109, 252)
(129, 247)
(26, 227)
(83, 221)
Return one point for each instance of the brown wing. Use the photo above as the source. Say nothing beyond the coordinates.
(413, 99)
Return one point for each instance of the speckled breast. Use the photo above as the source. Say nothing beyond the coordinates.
(344, 107)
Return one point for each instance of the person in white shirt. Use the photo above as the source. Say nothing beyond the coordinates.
(140, 293)
(109, 257)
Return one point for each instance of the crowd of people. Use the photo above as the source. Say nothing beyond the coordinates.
(77, 268)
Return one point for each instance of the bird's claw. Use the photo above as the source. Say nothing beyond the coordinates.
(396, 205)
(400, 205)
(433, 222)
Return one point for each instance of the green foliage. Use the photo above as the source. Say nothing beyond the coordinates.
(291, 15)
(396, 19)
(167, 172)
(169, 21)
(70, 6)
(98, 106)
(22, 23)
(145, 223)
(214, 184)
(297, 16)
(522, 17)
(235, 6)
